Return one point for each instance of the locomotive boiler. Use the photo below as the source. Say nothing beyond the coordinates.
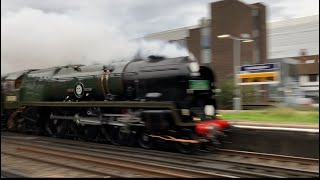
(143, 101)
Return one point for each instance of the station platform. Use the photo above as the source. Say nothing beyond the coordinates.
(275, 124)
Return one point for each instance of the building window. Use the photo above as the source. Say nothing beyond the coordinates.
(311, 61)
(205, 42)
(205, 38)
(255, 12)
(206, 56)
(313, 77)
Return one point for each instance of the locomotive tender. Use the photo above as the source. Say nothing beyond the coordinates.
(141, 101)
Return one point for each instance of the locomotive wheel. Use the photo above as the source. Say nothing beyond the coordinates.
(74, 130)
(125, 137)
(62, 128)
(21, 125)
(111, 133)
(145, 141)
(50, 128)
(212, 145)
(187, 148)
(117, 135)
(88, 133)
(31, 118)
(57, 127)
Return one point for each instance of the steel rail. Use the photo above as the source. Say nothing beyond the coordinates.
(133, 152)
(145, 168)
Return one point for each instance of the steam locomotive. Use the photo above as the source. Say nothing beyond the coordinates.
(143, 102)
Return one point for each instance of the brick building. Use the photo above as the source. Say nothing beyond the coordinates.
(227, 17)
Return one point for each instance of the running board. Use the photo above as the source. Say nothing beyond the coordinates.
(170, 138)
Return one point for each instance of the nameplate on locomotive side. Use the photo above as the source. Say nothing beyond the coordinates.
(11, 98)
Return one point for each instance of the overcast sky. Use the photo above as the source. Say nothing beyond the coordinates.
(60, 31)
(140, 17)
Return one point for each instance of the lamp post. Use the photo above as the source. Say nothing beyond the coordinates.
(236, 64)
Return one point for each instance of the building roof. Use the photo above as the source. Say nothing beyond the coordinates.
(284, 38)
(174, 34)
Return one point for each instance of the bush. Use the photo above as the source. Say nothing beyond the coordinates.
(225, 97)
(247, 94)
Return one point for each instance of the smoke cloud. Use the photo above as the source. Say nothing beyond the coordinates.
(32, 38)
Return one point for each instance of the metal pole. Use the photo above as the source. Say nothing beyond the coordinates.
(236, 62)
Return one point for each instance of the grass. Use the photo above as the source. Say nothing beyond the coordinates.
(277, 114)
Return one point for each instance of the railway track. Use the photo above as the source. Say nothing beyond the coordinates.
(60, 156)
(271, 157)
(224, 163)
(11, 173)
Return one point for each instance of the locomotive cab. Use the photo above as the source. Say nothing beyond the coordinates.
(10, 87)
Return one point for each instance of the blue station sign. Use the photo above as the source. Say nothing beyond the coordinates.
(259, 68)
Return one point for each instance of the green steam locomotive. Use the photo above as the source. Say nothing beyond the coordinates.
(142, 101)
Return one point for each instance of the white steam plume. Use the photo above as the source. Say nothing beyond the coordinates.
(31, 38)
